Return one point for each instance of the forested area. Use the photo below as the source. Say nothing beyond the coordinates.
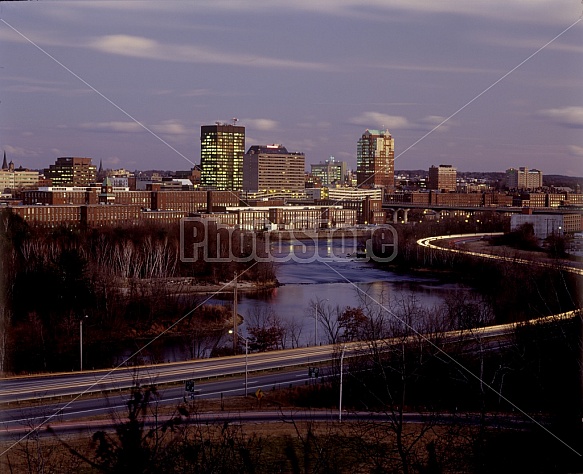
(129, 283)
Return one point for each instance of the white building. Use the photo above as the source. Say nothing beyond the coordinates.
(523, 178)
(547, 224)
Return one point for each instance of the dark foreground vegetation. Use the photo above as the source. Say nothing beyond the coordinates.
(466, 425)
(125, 283)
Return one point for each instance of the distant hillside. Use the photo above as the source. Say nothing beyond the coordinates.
(557, 180)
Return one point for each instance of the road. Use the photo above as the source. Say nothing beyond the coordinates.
(19, 389)
(429, 242)
(16, 418)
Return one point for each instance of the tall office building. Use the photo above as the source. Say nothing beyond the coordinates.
(442, 178)
(72, 171)
(331, 172)
(375, 160)
(222, 147)
(523, 178)
(273, 169)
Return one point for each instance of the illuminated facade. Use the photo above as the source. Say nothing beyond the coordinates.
(523, 178)
(222, 147)
(271, 169)
(375, 160)
(442, 178)
(72, 171)
(12, 179)
(331, 172)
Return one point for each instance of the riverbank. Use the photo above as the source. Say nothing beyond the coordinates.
(193, 286)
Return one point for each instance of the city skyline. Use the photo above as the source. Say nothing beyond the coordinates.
(131, 83)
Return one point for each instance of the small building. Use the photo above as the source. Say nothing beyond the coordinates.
(549, 224)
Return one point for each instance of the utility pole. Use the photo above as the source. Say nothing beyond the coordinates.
(235, 330)
(341, 369)
(81, 342)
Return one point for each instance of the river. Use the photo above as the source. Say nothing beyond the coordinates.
(338, 282)
(343, 281)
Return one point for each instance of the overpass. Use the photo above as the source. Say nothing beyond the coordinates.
(403, 208)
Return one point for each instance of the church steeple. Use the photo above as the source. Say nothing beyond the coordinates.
(4, 164)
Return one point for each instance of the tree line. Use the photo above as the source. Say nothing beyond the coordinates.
(128, 281)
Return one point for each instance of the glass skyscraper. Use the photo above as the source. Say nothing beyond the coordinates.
(375, 160)
(222, 147)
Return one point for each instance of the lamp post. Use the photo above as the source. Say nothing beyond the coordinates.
(81, 342)
(246, 357)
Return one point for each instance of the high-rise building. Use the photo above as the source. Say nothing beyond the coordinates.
(72, 171)
(222, 147)
(443, 178)
(375, 160)
(273, 169)
(523, 178)
(331, 172)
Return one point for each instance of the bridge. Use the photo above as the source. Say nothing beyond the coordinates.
(403, 208)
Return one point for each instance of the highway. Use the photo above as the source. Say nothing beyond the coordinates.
(15, 390)
(35, 387)
(18, 417)
(428, 242)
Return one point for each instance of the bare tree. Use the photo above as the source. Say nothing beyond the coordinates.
(266, 330)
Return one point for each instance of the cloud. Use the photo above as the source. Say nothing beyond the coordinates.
(34, 85)
(145, 48)
(167, 127)
(171, 127)
(116, 127)
(576, 150)
(537, 11)
(438, 69)
(197, 93)
(112, 160)
(570, 117)
(532, 44)
(20, 152)
(384, 121)
(380, 120)
(432, 121)
(262, 124)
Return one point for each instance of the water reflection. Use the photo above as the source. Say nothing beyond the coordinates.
(343, 282)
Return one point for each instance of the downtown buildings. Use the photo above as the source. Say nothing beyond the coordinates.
(12, 178)
(442, 178)
(222, 147)
(72, 171)
(331, 172)
(523, 178)
(375, 160)
(271, 170)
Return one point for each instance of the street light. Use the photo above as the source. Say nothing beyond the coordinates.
(81, 342)
(316, 321)
(246, 357)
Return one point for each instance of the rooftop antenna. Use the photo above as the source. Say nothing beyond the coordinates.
(235, 120)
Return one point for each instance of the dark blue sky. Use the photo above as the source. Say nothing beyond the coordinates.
(132, 82)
